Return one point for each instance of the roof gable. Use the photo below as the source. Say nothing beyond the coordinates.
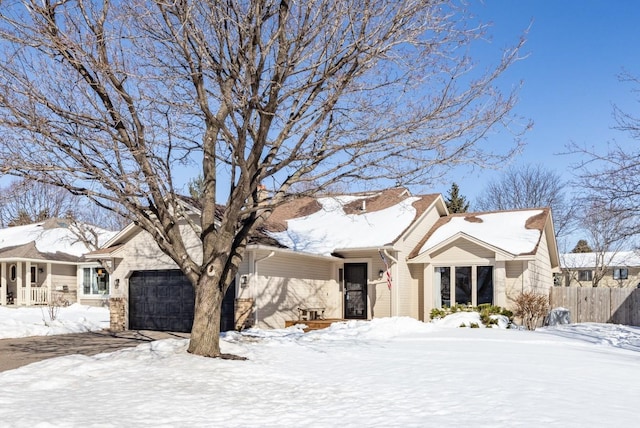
(516, 232)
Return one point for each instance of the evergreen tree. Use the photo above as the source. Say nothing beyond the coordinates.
(455, 202)
(582, 247)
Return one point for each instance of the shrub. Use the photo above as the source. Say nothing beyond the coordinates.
(485, 310)
(531, 307)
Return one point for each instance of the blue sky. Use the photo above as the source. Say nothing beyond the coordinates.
(576, 51)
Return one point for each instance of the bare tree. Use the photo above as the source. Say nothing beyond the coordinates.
(108, 97)
(603, 225)
(531, 186)
(26, 201)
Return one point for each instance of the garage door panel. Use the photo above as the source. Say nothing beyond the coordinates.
(164, 300)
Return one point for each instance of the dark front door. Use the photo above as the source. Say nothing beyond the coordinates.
(355, 291)
(163, 300)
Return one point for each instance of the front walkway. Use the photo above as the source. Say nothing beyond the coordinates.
(19, 352)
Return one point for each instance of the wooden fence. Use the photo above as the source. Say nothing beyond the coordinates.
(605, 305)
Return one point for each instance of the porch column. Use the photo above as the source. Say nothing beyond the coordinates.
(27, 275)
(428, 291)
(47, 282)
(500, 283)
(79, 283)
(19, 300)
(3, 284)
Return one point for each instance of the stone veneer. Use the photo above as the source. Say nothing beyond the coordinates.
(118, 314)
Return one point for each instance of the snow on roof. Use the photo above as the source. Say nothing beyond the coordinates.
(332, 228)
(506, 230)
(50, 236)
(609, 258)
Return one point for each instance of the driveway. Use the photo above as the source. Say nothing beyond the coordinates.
(16, 353)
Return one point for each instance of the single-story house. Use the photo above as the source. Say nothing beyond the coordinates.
(621, 269)
(41, 258)
(350, 256)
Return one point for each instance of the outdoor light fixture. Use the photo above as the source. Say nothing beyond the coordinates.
(244, 280)
(380, 273)
(117, 282)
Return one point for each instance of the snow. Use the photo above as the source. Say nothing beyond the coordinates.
(388, 372)
(49, 240)
(331, 228)
(505, 230)
(609, 258)
(32, 321)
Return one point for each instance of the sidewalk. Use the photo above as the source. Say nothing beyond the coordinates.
(16, 353)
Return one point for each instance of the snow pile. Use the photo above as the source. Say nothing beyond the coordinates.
(390, 372)
(50, 240)
(505, 230)
(23, 322)
(331, 228)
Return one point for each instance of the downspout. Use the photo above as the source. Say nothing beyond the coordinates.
(394, 302)
(255, 285)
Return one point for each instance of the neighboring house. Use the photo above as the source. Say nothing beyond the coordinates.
(357, 256)
(41, 258)
(621, 269)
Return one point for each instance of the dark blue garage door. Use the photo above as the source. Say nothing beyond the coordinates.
(163, 300)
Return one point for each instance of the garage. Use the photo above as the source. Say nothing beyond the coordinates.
(163, 300)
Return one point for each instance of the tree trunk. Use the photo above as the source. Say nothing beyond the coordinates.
(205, 333)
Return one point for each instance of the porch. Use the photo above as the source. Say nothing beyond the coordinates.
(316, 324)
(27, 283)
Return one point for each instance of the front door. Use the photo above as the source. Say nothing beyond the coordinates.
(355, 291)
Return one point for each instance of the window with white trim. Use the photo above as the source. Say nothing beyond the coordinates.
(13, 273)
(95, 281)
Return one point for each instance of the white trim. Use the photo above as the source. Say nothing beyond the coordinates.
(288, 251)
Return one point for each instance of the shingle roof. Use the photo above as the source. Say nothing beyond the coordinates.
(510, 230)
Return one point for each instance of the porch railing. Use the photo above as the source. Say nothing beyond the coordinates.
(39, 296)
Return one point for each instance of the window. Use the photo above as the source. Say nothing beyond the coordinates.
(34, 274)
(13, 273)
(463, 287)
(442, 281)
(95, 281)
(621, 273)
(585, 275)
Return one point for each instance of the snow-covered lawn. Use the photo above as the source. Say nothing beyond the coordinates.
(394, 372)
(36, 321)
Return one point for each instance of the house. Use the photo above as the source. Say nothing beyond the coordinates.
(41, 258)
(352, 256)
(621, 269)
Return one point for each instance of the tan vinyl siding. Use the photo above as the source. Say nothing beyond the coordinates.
(632, 281)
(408, 287)
(277, 299)
(294, 266)
(463, 251)
(541, 275)
(417, 292)
(514, 280)
(63, 275)
(284, 282)
(378, 292)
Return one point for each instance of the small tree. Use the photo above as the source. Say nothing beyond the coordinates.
(582, 247)
(455, 202)
(531, 307)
